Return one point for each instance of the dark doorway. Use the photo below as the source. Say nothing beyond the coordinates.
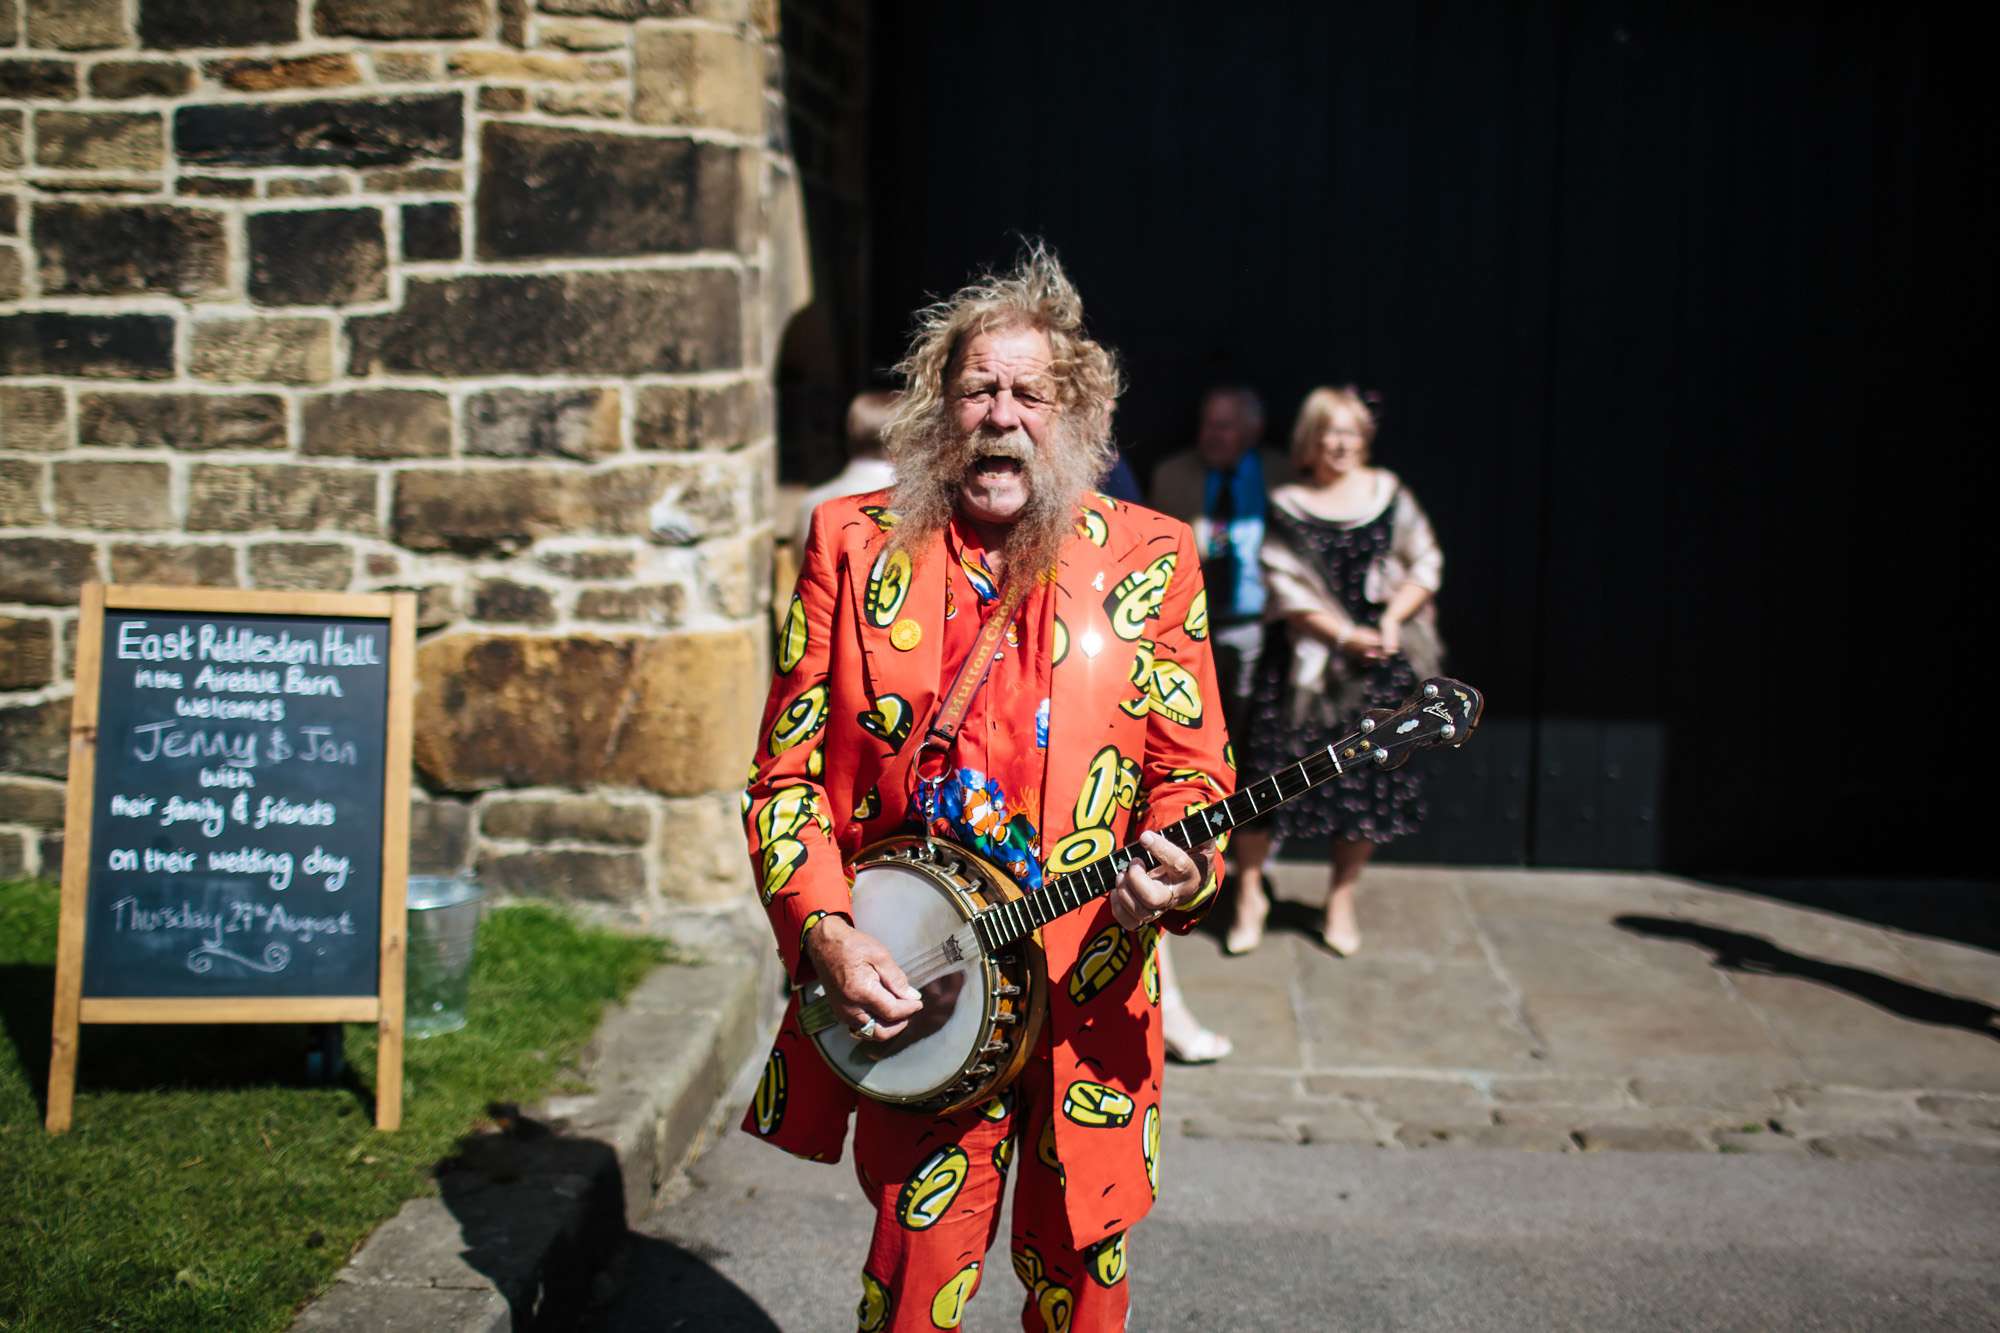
(1679, 316)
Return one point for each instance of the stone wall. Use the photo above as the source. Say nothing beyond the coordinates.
(473, 297)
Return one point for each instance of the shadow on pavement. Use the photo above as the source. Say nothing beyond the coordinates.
(664, 1286)
(514, 1192)
(1963, 911)
(1738, 951)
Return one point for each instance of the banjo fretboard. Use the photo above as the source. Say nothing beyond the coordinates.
(1444, 712)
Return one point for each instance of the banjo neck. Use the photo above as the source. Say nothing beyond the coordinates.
(1442, 712)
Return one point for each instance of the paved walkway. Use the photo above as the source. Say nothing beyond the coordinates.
(1583, 1011)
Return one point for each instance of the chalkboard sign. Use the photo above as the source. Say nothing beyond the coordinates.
(238, 807)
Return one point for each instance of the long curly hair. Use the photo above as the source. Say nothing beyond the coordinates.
(922, 438)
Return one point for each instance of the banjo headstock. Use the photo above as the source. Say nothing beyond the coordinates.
(1444, 712)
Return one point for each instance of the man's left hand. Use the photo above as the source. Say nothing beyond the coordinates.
(1142, 896)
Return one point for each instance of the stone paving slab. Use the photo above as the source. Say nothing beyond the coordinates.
(1571, 1011)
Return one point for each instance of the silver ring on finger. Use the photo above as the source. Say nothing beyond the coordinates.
(866, 1031)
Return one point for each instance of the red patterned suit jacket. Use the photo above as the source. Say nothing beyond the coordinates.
(1136, 739)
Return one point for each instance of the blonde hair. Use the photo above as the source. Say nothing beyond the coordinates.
(1318, 409)
(1037, 295)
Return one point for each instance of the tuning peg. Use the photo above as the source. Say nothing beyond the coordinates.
(1447, 731)
(1367, 725)
(1430, 690)
(1382, 757)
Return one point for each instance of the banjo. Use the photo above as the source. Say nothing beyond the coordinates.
(967, 936)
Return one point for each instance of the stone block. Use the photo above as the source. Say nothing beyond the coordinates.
(263, 74)
(307, 187)
(262, 350)
(34, 739)
(131, 496)
(37, 80)
(596, 103)
(10, 273)
(1559, 1091)
(12, 123)
(505, 509)
(514, 22)
(45, 571)
(736, 575)
(701, 850)
(503, 100)
(696, 416)
(674, 715)
(288, 497)
(625, 323)
(699, 78)
(660, 605)
(332, 256)
(21, 494)
(10, 215)
(399, 20)
(52, 342)
(569, 875)
(503, 601)
(352, 133)
(100, 140)
(14, 861)
(174, 565)
(218, 187)
(127, 249)
(1639, 1138)
(378, 423)
(620, 9)
(175, 27)
(1746, 1141)
(76, 25)
(321, 566)
(97, 184)
(582, 34)
(34, 418)
(1962, 1109)
(588, 564)
(186, 421)
(27, 661)
(556, 423)
(116, 79)
(432, 231)
(549, 191)
(565, 819)
(440, 836)
(414, 180)
(37, 804)
(532, 67)
(407, 66)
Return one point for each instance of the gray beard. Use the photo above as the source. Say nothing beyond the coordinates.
(930, 475)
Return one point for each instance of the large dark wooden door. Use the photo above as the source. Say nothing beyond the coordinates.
(1679, 316)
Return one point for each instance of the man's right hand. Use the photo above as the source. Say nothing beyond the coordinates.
(862, 981)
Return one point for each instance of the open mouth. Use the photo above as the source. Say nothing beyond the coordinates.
(989, 467)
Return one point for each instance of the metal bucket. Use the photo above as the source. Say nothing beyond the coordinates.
(444, 920)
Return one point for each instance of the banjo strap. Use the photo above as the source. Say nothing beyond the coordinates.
(943, 730)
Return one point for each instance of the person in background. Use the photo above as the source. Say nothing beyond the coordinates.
(1221, 488)
(868, 467)
(1351, 567)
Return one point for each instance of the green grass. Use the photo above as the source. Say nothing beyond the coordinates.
(205, 1185)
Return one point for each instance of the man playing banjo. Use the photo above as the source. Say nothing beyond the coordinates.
(995, 655)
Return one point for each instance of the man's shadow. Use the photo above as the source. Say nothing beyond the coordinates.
(512, 1191)
(1736, 951)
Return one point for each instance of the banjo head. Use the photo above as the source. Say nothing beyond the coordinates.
(912, 896)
